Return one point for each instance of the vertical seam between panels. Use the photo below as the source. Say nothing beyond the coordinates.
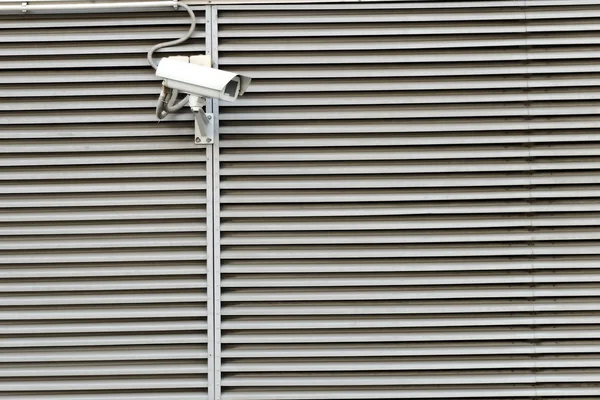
(216, 220)
(210, 230)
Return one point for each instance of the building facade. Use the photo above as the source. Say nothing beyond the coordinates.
(405, 205)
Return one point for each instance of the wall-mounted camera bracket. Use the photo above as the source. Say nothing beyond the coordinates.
(204, 129)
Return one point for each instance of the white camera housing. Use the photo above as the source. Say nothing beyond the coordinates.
(202, 81)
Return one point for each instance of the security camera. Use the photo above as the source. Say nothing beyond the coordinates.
(194, 76)
(201, 81)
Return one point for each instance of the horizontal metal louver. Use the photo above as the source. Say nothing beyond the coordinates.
(409, 201)
(103, 233)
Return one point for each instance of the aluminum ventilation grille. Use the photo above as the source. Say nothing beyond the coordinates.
(102, 215)
(409, 201)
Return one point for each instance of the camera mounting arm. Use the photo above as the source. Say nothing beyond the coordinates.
(204, 129)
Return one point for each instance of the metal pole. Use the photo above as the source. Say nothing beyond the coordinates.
(26, 7)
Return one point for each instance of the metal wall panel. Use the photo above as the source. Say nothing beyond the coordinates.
(408, 201)
(103, 228)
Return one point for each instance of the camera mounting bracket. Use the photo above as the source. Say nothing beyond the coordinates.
(204, 125)
(204, 131)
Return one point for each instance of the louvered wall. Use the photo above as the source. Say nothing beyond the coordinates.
(409, 201)
(103, 257)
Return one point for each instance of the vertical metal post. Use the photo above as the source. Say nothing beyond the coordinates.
(210, 292)
(216, 201)
(216, 213)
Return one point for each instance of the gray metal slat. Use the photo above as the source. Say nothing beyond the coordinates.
(543, 224)
(323, 279)
(412, 42)
(364, 251)
(431, 56)
(27, 80)
(408, 4)
(99, 187)
(365, 28)
(407, 350)
(404, 265)
(95, 116)
(329, 156)
(101, 327)
(509, 290)
(129, 312)
(55, 35)
(394, 237)
(411, 11)
(102, 145)
(49, 63)
(64, 201)
(382, 43)
(148, 254)
(425, 125)
(110, 298)
(407, 98)
(147, 86)
(408, 336)
(426, 194)
(361, 310)
(88, 48)
(106, 133)
(86, 285)
(414, 112)
(101, 241)
(104, 270)
(426, 181)
(94, 104)
(165, 171)
(278, 88)
(86, 228)
(128, 395)
(482, 70)
(386, 15)
(400, 250)
(352, 168)
(299, 226)
(123, 369)
(388, 349)
(104, 20)
(567, 138)
(435, 310)
(47, 343)
(380, 379)
(393, 210)
(28, 385)
(389, 366)
(360, 393)
(106, 159)
(100, 214)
